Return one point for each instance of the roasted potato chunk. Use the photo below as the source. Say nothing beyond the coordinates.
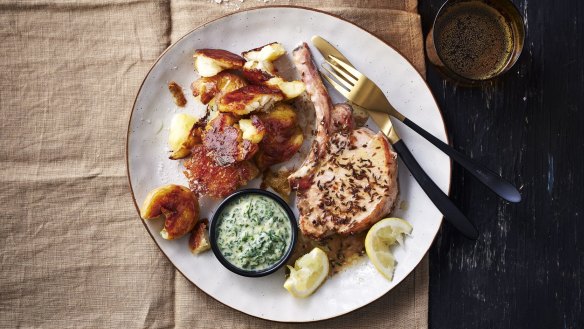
(269, 52)
(258, 72)
(283, 136)
(249, 99)
(223, 138)
(276, 148)
(209, 62)
(207, 88)
(264, 73)
(207, 178)
(281, 117)
(253, 129)
(184, 134)
(290, 89)
(177, 204)
(199, 239)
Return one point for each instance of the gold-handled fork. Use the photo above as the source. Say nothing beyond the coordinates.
(360, 90)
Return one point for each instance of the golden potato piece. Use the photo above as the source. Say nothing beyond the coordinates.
(224, 140)
(207, 88)
(199, 239)
(281, 117)
(177, 204)
(263, 73)
(258, 72)
(283, 136)
(180, 126)
(290, 89)
(253, 129)
(277, 148)
(209, 62)
(269, 52)
(249, 99)
(185, 132)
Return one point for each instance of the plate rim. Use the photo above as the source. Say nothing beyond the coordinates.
(262, 8)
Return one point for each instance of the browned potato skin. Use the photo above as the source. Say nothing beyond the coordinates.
(207, 178)
(223, 139)
(257, 76)
(177, 94)
(256, 49)
(272, 152)
(209, 87)
(283, 137)
(259, 125)
(227, 59)
(199, 239)
(177, 204)
(195, 137)
(237, 101)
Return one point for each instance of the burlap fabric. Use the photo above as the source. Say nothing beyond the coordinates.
(74, 253)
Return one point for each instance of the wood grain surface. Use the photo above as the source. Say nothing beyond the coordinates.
(527, 268)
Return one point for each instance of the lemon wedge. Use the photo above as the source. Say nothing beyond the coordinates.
(308, 273)
(378, 240)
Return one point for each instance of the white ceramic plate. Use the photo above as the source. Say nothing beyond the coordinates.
(149, 166)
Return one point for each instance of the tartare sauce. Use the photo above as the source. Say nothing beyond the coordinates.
(253, 232)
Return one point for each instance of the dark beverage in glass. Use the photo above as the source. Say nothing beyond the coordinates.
(476, 40)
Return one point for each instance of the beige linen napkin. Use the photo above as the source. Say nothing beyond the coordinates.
(74, 253)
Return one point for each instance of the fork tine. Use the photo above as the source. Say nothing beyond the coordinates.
(347, 67)
(335, 85)
(348, 85)
(339, 71)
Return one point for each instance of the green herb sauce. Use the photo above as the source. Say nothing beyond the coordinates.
(253, 232)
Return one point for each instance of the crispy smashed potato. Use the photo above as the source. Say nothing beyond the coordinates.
(209, 62)
(290, 89)
(199, 239)
(283, 136)
(253, 129)
(184, 134)
(177, 204)
(206, 88)
(269, 52)
(207, 178)
(249, 99)
(258, 72)
(281, 117)
(223, 138)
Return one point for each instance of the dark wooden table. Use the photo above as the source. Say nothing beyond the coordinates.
(527, 268)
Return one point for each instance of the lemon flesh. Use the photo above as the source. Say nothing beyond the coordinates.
(380, 238)
(308, 273)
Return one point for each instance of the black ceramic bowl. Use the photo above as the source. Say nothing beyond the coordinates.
(215, 222)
